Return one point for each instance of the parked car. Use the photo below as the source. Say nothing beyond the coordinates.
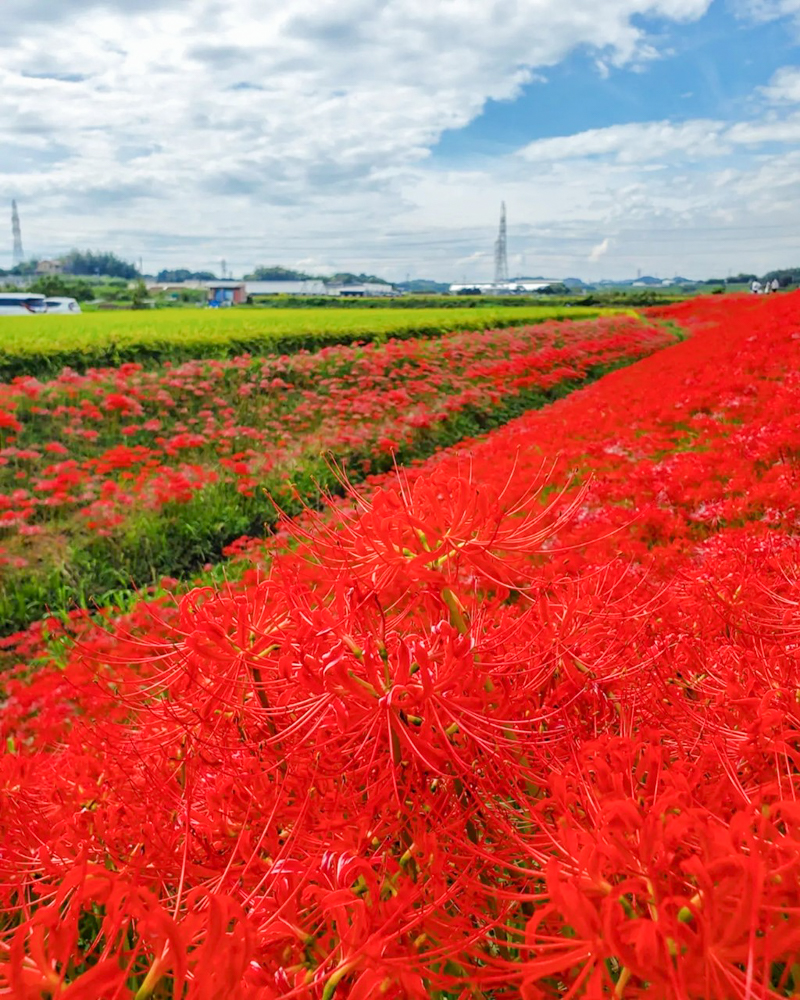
(62, 305)
(21, 304)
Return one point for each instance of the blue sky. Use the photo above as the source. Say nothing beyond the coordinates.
(710, 68)
(382, 135)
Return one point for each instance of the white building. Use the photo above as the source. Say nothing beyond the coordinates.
(156, 287)
(361, 290)
(246, 289)
(505, 287)
(316, 286)
(49, 267)
(312, 286)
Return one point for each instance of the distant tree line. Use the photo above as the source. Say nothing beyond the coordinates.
(786, 276)
(424, 286)
(27, 267)
(348, 278)
(89, 263)
(104, 264)
(85, 263)
(277, 273)
(176, 277)
(54, 285)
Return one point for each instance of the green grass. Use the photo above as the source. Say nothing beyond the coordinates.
(43, 345)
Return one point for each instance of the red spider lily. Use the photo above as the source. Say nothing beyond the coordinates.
(470, 733)
(273, 413)
(122, 930)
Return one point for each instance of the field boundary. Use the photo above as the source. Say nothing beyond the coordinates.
(151, 346)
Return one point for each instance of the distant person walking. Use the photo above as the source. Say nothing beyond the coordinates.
(755, 288)
(775, 285)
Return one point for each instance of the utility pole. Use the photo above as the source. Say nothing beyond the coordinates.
(19, 255)
(224, 268)
(501, 250)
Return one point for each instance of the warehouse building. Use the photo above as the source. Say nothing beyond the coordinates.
(504, 287)
(226, 293)
(316, 286)
(312, 286)
(362, 290)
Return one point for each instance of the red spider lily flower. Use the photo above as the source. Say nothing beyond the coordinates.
(454, 737)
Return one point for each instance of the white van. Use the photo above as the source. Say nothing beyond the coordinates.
(62, 305)
(21, 303)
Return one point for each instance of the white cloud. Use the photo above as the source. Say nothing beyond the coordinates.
(478, 257)
(784, 87)
(632, 143)
(767, 10)
(772, 129)
(654, 144)
(600, 250)
(301, 134)
(674, 212)
(266, 122)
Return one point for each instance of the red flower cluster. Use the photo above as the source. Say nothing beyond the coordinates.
(522, 722)
(101, 445)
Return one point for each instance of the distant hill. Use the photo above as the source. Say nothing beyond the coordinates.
(529, 277)
(175, 277)
(423, 286)
(347, 278)
(646, 279)
(277, 273)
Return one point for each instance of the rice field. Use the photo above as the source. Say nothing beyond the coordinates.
(36, 345)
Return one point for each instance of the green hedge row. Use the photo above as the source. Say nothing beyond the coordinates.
(413, 302)
(43, 345)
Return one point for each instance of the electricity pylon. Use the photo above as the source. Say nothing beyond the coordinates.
(501, 250)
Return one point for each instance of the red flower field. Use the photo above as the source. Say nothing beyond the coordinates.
(117, 437)
(98, 469)
(521, 721)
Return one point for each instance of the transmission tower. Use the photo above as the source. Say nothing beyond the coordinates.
(501, 250)
(19, 255)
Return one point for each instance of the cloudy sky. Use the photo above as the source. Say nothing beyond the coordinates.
(382, 135)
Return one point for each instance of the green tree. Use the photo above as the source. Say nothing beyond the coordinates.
(56, 284)
(26, 267)
(175, 277)
(786, 276)
(139, 297)
(348, 278)
(98, 263)
(276, 273)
